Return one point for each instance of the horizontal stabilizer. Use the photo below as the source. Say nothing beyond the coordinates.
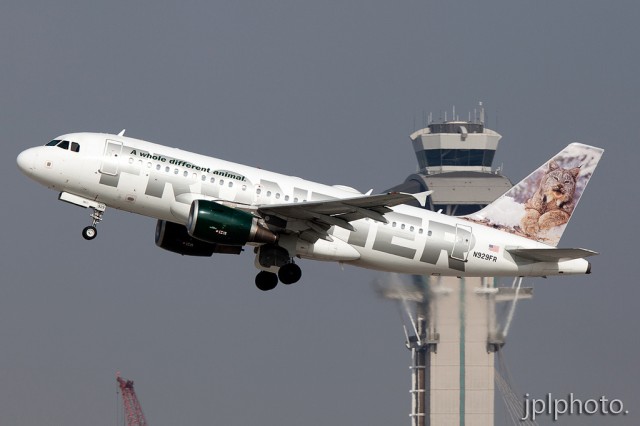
(552, 254)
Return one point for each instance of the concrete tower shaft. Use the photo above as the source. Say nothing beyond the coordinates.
(453, 319)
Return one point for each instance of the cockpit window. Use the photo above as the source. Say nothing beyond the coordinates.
(75, 147)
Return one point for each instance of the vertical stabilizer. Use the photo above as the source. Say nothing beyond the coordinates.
(540, 206)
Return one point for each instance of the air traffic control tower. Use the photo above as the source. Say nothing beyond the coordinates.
(451, 327)
(455, 161)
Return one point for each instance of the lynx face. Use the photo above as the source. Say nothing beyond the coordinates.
(558, 185)
(552, 204)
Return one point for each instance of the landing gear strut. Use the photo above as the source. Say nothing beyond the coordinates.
(90, 232)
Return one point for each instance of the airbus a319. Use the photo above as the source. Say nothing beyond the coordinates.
(204, 205)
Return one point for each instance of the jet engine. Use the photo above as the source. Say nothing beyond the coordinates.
(215, 223)
(174, 237)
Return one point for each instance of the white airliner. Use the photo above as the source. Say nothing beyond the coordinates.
(205, 205)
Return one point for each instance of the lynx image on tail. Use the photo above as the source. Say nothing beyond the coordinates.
(552, 204)
(540, 206)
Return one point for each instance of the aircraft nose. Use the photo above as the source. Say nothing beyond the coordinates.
(26, 161)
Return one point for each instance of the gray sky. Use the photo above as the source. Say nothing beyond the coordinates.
(329, 92)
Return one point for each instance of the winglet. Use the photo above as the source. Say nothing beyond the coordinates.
(422, 197)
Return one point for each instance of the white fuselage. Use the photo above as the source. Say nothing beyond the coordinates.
(161, 182)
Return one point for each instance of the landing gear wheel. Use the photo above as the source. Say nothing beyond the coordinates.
(289, 273)
(89, 233)
(266, 281)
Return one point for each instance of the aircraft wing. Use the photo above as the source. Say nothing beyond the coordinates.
(316, 217)
(552, 254)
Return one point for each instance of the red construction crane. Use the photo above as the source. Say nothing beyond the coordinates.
(133, 411)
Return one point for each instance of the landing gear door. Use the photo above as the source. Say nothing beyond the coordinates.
(462, 243)
(111, 157)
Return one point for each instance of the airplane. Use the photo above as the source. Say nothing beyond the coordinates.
(204, 205)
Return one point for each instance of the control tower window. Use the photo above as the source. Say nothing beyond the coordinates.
(456, 157)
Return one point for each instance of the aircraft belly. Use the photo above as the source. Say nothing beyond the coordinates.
(336, 250)
(373, 259)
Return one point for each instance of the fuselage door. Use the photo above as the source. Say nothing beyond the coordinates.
(462, 243)
(111, 157)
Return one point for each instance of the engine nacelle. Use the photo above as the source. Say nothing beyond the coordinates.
(215, 223)
(174, 237)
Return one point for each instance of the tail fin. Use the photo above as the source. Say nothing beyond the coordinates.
(540, 206)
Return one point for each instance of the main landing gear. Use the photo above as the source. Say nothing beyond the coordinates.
(275, 258)
(288, 274)
(266, 280)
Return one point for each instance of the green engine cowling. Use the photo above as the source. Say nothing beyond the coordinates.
(215, 223)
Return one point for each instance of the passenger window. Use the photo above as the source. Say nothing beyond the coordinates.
(277, 195)
(167, 169)
(158, 167)
(63, 145)
(185, 173)
(213, 180)
(130, 160)
(204, 177)
(75, 147)
(244, 187)
(175, 171)
(221, 182)
(268, 193)
(286, 198)
(402, 226)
